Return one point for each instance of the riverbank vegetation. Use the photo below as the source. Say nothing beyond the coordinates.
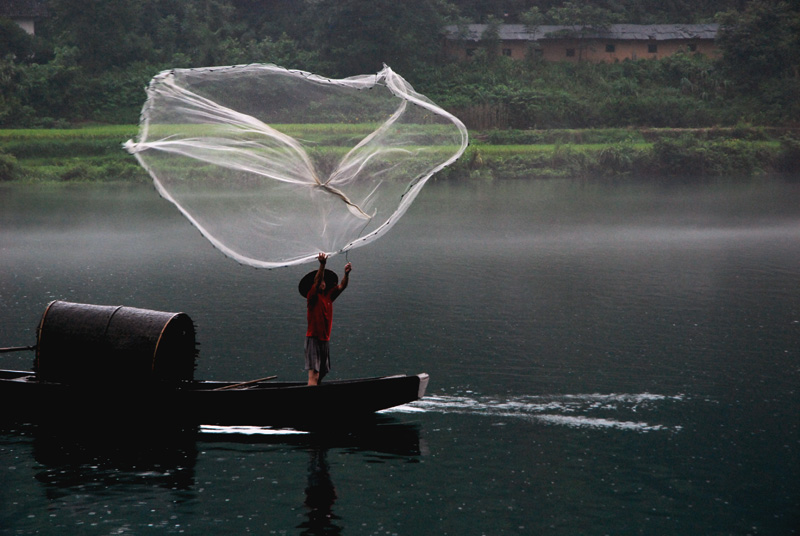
(96, 154)
(89, 62)
(671, 155)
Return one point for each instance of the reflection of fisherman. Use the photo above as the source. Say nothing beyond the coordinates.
(320, 496)
(319, 298)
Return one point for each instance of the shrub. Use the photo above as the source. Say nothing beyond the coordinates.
(788, 159)
(9, 168)
(688, 155)
(616, 160)
(79, 172)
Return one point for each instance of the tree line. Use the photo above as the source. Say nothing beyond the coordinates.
(90, 59)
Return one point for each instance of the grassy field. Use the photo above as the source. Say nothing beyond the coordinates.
(66, 155)
(95, 153)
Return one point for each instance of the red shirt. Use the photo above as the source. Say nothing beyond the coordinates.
(320, 314)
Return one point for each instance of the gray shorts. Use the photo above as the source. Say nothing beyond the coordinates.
(318, 356)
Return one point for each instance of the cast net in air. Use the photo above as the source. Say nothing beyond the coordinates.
(275, 165)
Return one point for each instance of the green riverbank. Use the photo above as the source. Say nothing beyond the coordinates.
(95, 154)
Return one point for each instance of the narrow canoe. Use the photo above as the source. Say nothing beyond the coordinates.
(25, 398)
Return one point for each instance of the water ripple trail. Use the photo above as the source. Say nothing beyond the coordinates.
(599, 411)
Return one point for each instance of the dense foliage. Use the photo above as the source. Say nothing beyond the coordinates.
(90, 59)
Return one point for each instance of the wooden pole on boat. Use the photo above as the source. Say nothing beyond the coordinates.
(16, 349)
(234, 386)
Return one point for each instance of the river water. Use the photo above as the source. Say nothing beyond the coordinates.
(613, 358)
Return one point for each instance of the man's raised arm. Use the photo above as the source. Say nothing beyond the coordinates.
(320, 275)
(343, 283)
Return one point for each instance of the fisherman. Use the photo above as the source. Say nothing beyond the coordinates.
(319, 299)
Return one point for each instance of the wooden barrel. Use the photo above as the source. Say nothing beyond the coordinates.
(78, 342)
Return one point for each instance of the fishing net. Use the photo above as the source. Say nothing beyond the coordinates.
(274, 166)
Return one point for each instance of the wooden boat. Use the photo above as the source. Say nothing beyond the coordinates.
(115, 363)
(25, 397)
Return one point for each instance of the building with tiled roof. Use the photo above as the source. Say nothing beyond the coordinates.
(614, 42)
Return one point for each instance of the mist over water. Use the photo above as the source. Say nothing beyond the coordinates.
(604, 359)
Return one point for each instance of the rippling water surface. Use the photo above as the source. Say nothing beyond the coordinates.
(604, 359)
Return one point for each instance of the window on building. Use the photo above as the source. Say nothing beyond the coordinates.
(692, 47)
(470, 52)
(611, 47)
(652, 48)
(570, 52)
(538, 52)
(507, 52)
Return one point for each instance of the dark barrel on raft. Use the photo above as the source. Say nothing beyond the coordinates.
(78, 342)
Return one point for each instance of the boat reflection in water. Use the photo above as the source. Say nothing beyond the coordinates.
(81, 468)
(80, 465)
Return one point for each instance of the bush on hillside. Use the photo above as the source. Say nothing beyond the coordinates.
(9, 168)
